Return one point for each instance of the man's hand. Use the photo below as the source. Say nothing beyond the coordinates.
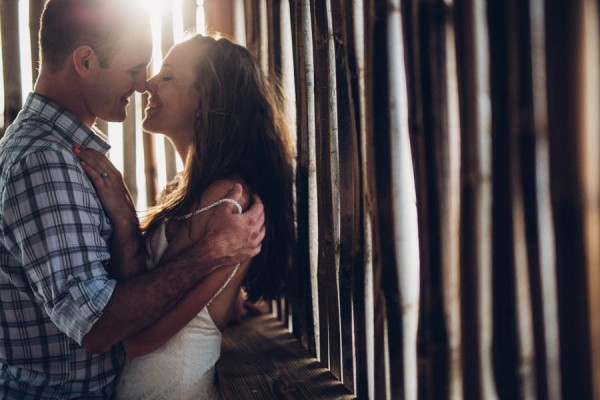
(236, 237)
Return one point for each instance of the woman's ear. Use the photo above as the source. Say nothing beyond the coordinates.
(83, 59)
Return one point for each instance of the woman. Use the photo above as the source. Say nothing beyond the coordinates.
(217, 108)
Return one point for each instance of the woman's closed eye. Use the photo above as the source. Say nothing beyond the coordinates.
(166, 78)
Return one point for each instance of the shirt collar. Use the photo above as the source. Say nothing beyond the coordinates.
(66, 124)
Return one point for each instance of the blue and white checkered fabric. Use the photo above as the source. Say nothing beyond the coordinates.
(54, 240)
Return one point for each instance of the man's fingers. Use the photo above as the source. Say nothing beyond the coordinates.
(235, 193)
(257, 211)
(258, 238)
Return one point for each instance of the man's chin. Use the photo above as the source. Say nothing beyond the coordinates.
(115, 116)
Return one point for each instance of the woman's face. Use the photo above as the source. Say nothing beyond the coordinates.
(174, 101)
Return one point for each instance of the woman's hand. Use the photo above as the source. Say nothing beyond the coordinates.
(109, 184)
(127, 255)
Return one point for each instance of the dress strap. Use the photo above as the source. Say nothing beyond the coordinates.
(208, 207)
(201, 210)
(235, 270)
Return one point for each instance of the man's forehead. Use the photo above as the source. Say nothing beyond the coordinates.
(133, 54)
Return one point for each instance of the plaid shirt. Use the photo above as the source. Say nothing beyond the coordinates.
(54, 240)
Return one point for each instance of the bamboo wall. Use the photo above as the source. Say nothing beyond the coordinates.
(447, 187)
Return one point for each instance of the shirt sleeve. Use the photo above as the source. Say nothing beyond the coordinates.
(55, 227)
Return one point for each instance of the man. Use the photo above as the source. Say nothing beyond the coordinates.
(63, 315)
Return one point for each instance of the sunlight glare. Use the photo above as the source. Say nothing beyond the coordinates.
(25, 48)
(1, 88)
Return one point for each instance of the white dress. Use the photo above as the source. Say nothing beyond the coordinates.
(184, 367)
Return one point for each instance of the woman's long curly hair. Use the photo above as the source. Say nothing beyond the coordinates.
(240, 132)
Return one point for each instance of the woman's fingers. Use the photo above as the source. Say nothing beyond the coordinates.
(95, 159)
(96, 163)
(108, 182)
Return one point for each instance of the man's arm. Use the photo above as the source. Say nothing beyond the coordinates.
(231, 238)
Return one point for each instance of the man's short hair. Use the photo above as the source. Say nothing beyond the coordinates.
(68, 24)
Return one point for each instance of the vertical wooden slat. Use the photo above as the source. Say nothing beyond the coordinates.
(166, 43)
(311, 152)
(239, 22)
(150, 171)
(274, 39)
(542, 229)
(476, 245)
(218, 16)
(35, 12)
(363, 292)
(11, 65)
(350, 235)
(520, 131)
(252, 21)
(375, 310)
(511, 104)
(304, 316)
(388, 322)
(451, 206)
(102, 125)
(450, 209)
(432, 333)
(503, 80)
(300, 276)
(589, 85)
(188, 10)
(435, 134)
(129, 150)
(563, 46)
(274, 44)
(327, 177)
(396, 202)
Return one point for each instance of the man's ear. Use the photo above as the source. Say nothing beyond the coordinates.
(83, 58)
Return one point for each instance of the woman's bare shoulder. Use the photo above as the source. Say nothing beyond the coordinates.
(219, 189)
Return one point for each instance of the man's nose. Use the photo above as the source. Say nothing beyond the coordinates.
(139, 83)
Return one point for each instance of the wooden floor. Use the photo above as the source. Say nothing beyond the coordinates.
(262, 360)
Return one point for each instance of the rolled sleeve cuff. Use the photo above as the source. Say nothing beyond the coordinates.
(82, 306)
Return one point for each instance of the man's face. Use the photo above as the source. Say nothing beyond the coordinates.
(112, 86)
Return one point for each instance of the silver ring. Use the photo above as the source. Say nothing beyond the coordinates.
(104, 174)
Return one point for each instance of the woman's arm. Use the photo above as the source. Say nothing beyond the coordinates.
(127, 245)
(159, 332)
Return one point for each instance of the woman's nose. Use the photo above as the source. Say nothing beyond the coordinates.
(150, 84)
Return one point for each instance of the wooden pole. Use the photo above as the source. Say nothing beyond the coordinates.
(435, 136)
(166, 43)
(252, 24)
(189, 9)
(9, 23)
(396, 202)
(35, 12)
(328, 186)
(130, 149)
(542, 252)
(375, 307)
(564, 38)
(304, 316)
(218, 15)
(476, 221)
(350, 207)
(511, 105)
(589, 86)
(274, 40)
(150, 162)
